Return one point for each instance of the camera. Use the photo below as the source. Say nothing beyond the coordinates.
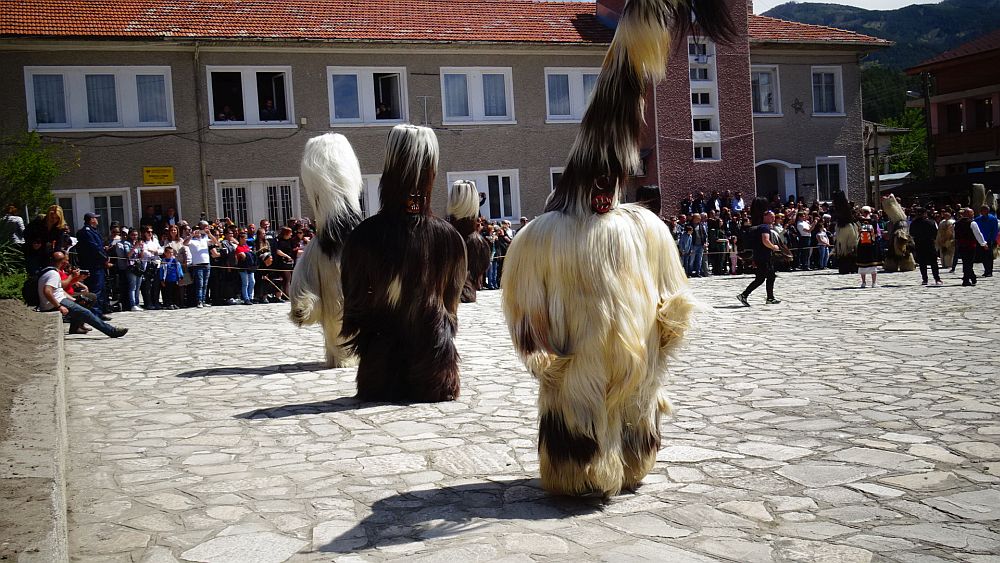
(84, 272)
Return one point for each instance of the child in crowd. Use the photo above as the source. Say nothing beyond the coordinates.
(684, 245)
(171, 272)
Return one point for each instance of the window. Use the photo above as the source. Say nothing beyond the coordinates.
(701, 99)
(555, 174)
(704, 152)
(81, 97)
(250, 96)
(276, 199)
(477, 95)
(699, 73)
(827, 91)
(503, 199)
(568, 91)
(67, 206)
(696, 48)
(367, 95)
(831, 175)
(953, 117)
(702, 124)
(764, 90)
(984, 113)
(370, 197)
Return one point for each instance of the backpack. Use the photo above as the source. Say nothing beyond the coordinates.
(29, 291)
(866, 235)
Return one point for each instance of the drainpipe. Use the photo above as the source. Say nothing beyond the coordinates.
(200, 114)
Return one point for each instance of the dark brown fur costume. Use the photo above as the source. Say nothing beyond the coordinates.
(403, 271)
(477, 252)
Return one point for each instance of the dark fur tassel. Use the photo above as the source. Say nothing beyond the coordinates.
(477, 252)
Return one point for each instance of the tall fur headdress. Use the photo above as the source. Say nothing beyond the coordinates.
(893, 210)
(332, 179)
(411, 162)
(463, 201)
(606, 149)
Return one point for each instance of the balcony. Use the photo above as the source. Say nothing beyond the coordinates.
(978, 141)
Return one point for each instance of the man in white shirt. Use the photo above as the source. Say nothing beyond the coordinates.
(805, 229)
(199, 245)
(52, 297)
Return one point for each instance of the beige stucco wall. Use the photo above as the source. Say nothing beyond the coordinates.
(530, 146)
(799, 137)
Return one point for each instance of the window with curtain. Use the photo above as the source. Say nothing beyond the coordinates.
(50, 99)
(151, 91)
(83, 97)
(763, 89)
(456, 95)
(102, 100)
(477, 95)
(825, 91)
(569, 91)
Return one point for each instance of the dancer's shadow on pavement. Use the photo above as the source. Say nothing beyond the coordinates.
(299, 367)
(318, 407)
(438, 513)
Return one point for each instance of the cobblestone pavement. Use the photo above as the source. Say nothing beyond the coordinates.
(842, 425)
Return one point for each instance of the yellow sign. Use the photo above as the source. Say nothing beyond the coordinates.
(158, 175)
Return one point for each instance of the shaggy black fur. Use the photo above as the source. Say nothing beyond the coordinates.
(477, 253)
(843, 215)
(334, 233)
(407, 350)
(562, 445)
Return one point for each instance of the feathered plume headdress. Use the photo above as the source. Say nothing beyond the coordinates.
(606, 149)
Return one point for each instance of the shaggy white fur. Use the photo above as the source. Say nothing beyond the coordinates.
(899, 257)
(599, 349)
(463, 200)
(331, 176)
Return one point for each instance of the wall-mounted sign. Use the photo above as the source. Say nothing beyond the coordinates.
(158, 175)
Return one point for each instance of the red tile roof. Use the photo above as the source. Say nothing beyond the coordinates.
(764, 29)
(988, 42)
(505, 21)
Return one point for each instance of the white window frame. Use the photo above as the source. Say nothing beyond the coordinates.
(83, 202)
(366, 99)
(777, 89)
(578, 100)
(75, 98)
(257, 196)
(177, 197)
(370, 194)
(838, 90)
(251, 101)
(474, 82)
(554, 170)
(842, 162)
(480, 177)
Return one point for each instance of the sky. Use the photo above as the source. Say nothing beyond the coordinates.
(760, 6)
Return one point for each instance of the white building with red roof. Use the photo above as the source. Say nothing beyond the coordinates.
(205, 105)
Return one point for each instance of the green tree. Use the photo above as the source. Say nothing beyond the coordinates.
(28, 167)
(883, 92)
(908, 152)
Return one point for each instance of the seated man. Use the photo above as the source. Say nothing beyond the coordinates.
(52, 297)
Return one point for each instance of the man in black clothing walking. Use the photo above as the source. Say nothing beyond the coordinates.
(924, 232)
(763, 249)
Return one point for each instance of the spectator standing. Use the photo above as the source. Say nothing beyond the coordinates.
(823, 242)
(804, 228)
(989, 228)
(198, 248)
(121, 251)
(684, 244)
(285, 250)
(136, 269)
(262, 250)
(171, 272)
(763, 252)
(247, 262)
(52, 297)
(923, 230)
(16, 225)
(699, 242)
(737, 203)
(93, 257)
(968, 238)
(150, 256)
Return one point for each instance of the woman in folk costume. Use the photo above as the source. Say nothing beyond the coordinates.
(403, 272)
(846, 244)
(463, 213)
(594, 292)
(899, 256)
(867, 247)
(332, 179)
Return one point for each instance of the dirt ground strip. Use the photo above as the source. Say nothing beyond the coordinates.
(28, 438)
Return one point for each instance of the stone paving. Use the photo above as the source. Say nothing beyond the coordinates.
(842, 425)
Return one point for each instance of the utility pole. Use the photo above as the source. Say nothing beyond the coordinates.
(926, 77)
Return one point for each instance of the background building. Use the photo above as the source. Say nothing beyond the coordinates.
(205, 107)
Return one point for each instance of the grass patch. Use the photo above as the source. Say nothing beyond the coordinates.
(10, 285)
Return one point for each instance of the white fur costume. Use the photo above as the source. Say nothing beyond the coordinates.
(332, 180)
(899, 257)
(594, 292)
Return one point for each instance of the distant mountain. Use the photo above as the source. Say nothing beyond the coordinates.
(920, 31)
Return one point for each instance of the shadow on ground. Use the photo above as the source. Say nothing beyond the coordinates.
(299, 367)
(318, 407)
(437, 513)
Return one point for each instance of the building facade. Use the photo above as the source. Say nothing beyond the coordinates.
(169, 108)
(964, 102)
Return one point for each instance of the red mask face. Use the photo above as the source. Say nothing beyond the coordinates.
(602, 198)
(414, 204)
